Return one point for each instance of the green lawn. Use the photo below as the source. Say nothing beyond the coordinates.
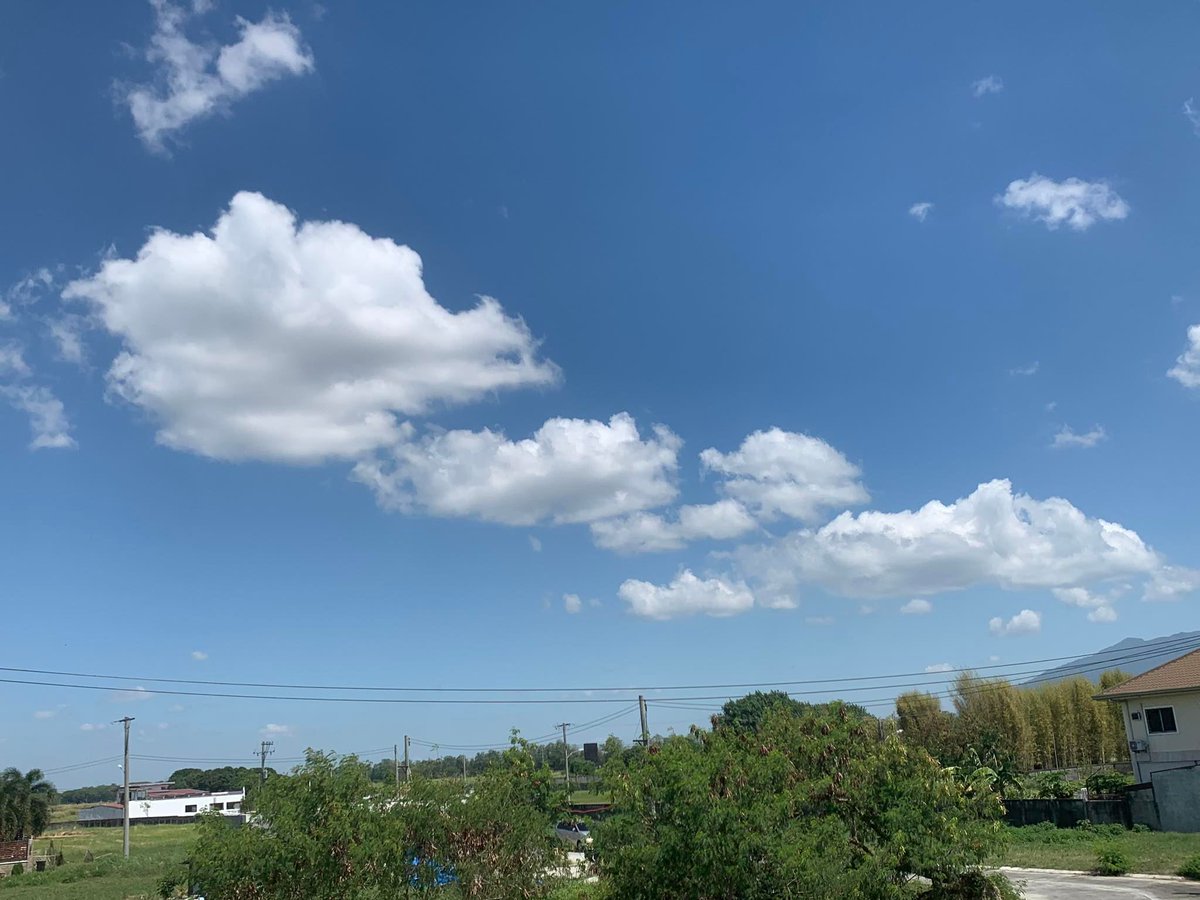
(1046, 847)
(154, 851)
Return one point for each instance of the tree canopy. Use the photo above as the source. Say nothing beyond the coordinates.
(25, 801)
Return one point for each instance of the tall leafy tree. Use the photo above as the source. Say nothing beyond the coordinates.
(25, 801)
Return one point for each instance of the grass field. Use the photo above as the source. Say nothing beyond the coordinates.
(1046, 847)
(154, 851)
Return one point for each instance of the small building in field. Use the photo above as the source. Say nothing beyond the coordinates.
(158, 802)
(1161, 709)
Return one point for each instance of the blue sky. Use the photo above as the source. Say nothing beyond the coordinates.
(459, 346)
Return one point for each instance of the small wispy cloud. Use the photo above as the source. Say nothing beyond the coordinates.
(920, 211)
(93, 726)
(917, 607)
(572, 604)
(276, 729)
(1192, 114)
(137, 695)
(535, 544)
(939, 667)
(1025, 370)
(989, 84)
(199, 655)
(1066, 437)
(45, 714)
(819, 620)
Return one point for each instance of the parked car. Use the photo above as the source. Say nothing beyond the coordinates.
(574, 833)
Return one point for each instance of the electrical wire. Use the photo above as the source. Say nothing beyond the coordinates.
(1160, 645)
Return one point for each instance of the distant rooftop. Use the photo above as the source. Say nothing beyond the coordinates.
(1180, 674)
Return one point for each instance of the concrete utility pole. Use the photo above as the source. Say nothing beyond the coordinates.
(645, 723)
(464, 759)
(125, 795)
(396, 764)
(407, 765)
(566, 759)
(265, 749)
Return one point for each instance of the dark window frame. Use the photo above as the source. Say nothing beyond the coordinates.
(1154, 716)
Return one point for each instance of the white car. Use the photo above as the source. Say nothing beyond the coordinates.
(574, 833)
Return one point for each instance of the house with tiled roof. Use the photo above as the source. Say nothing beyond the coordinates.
(1162, 716)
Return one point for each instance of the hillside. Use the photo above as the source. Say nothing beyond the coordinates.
(1134, 655)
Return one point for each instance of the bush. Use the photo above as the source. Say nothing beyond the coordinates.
(1111, 860)
(1140, 828)
(1190, 869)
(1107, 783)
(975, 886)
(18, 869)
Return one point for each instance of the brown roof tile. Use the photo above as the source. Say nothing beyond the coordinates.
(1180, 674)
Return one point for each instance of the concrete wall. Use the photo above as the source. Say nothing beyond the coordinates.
(1177, 793)
(1166, 751)
(1142, 808)
(1066, 813)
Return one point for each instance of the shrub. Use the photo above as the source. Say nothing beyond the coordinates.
(1111, 860)
(1190, 869)
(1140, 828)
(1107, 782)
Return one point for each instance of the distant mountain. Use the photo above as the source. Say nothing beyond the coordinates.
(1133, 655)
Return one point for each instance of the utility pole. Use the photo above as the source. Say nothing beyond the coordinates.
(464, 759)
(396, 764)
(125, 794)
(265, 749)
(566, 760)
(645, 723)
(407, 765)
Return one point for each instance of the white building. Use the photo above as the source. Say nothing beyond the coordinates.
(1162, 716)
(159, 802)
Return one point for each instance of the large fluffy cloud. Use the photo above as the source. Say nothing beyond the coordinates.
(198, 80)
(271, 340)
(570, 470)
(991, 537)
(780, 472)
(1076, 203)
(686, 595)
(1187, 367)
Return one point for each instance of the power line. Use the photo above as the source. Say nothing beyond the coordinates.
(1160, 646)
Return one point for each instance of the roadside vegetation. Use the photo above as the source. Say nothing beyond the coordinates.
(1147, 852)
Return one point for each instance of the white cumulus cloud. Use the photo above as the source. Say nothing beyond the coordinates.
(273, 340)
(779, 472)
(650, 532)
(1099, 606)
(686, 595)
(1025, 622)
(1078, 204)
(917, 607)
(195, 80)
(1187, 367)
(920, 211)
(991, 537)
(572, 604)
(570, 470)
(1066, 437)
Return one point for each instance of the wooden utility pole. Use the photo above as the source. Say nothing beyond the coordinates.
(125, 794)
(645, 723)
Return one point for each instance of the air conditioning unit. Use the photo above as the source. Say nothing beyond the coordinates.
(1138, 746)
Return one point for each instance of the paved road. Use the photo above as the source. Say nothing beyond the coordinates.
(1042, 885)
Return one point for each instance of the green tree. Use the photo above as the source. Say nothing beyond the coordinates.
(811, 804)
(25, 801)
(329, 833)
(925, 724)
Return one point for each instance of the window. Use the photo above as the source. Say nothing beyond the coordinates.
(191, 807)
(234, 805)
(1161, 720)
(218, 806)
